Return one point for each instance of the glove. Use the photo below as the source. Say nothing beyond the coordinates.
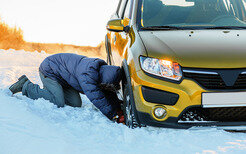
(119, 118)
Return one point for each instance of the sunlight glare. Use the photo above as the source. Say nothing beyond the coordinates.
(78, 22)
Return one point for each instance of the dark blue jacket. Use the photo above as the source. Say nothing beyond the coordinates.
(85, 74)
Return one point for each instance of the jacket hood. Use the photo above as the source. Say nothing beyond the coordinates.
(110, 74)
(198, 48)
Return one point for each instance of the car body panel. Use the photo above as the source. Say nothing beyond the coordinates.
(198, 48)
(188, 91)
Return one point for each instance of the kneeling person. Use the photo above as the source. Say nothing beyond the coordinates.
(65, 75)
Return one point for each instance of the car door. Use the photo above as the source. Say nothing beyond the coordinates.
(111, 36)
(118, 40)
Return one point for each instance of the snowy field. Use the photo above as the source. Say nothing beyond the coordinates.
(33, 127)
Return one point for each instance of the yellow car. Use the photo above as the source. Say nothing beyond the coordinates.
(184, 61)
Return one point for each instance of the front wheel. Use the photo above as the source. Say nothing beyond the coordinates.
(129, 115)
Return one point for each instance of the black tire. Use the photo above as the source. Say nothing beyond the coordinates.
(129, 115)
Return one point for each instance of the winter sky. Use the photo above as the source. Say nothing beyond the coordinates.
(79, 22)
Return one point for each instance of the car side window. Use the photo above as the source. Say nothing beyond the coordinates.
(122, 7)
(127, 13)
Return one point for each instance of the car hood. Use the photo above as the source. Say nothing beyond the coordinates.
(199, 48)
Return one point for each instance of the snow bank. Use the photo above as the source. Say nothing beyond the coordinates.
(28, 126)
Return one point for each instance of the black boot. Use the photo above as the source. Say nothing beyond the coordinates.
(17, 87)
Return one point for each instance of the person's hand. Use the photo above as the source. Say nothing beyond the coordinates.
(119, 118)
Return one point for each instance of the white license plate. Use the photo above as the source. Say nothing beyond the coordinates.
(226, 99)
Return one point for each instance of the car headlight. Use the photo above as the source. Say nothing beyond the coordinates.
(162, 68)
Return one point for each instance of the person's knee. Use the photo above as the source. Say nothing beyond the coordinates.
(72, 97)
(58, 100)
(74, 103)
(78, 104)
(59, 105)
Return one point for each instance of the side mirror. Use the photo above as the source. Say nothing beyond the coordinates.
(116, 25)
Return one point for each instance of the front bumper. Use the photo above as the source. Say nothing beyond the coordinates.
(172, 122)
(189, 93)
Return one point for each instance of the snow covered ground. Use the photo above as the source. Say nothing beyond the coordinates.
(28, 126)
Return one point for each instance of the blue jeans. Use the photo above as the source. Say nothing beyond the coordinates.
(53, 92)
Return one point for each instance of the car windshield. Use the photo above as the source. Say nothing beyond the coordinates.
(193, 14)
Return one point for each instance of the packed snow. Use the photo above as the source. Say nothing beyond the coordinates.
(37, 126)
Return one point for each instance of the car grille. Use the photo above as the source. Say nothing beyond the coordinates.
(214, 114)
(215, 82)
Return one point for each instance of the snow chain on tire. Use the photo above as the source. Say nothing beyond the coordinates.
(129, 115)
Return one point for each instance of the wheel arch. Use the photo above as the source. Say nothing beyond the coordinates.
(127, 79)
